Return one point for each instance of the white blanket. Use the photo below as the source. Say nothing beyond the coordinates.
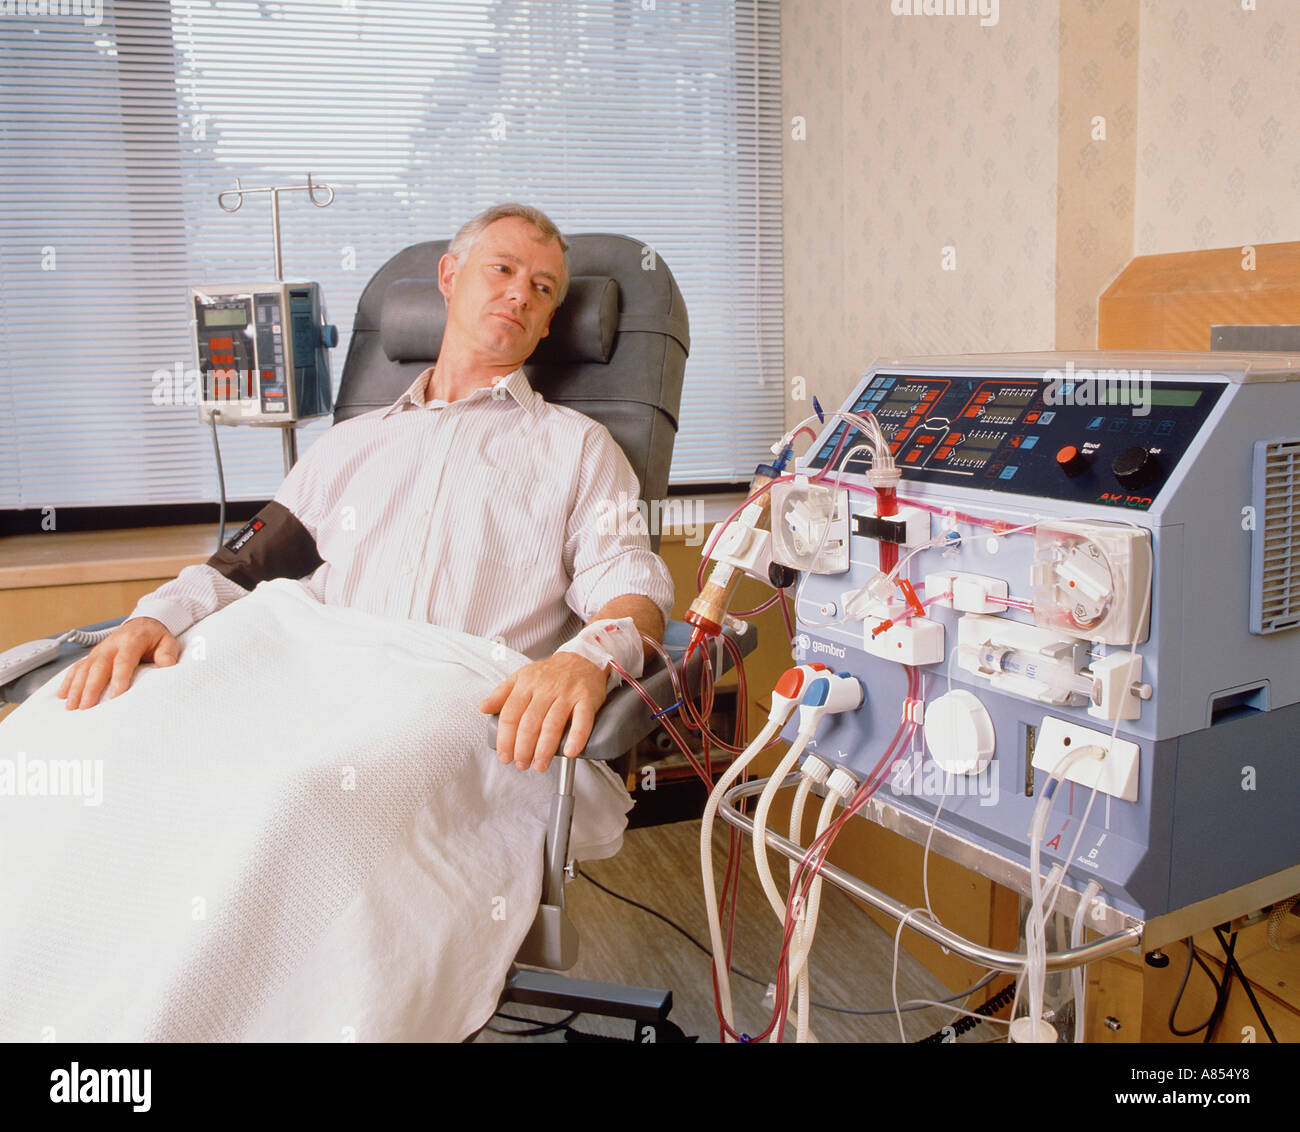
(302, 834)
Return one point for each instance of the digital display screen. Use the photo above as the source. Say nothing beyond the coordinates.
(900, 401)
(1008, 397)
(982, 443)
(225, 316)
(976, 450)
(1154, 396)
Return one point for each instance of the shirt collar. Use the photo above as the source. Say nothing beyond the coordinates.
(515, 385)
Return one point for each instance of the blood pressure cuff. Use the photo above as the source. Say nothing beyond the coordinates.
(274, 544)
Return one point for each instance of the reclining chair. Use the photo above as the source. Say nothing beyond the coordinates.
(616, 352)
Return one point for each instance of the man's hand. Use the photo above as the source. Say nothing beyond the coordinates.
(115, 658)
(535, 704)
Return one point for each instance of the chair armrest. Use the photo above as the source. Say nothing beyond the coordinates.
(18, 690)
(624, 719)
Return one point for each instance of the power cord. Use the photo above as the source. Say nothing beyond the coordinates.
(536, 1031)
(1230, 951)
(1225, 987)
(1004, 997)
(1192, 953)
(767, 982)
(221, 480)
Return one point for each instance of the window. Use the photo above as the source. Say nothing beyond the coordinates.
(658, 118)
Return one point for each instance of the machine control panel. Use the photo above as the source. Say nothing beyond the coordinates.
(1097, 441)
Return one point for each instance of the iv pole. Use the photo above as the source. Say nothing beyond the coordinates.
(311, 188)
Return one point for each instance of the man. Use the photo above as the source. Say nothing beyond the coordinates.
(469, 503)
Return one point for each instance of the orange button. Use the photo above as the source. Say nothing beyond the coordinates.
(902, 434)
(943, 453)
(1031, 418)
(913, 420)
(912, 457)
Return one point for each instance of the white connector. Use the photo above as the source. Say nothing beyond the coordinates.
(914, 642)
(790, 688)
(816, 768)
(841, 783)
(1117, 688)
(968, 593)
(1116, 774)
(744, 547)
(829, 694)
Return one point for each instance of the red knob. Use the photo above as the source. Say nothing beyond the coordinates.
(1071, 461)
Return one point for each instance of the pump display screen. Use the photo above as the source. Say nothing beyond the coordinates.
(225, 316)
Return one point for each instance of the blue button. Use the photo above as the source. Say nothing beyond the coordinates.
(1047, 417)
(1009, 471)
(1164, 428)
(887, 383)
(825, 452)
(1116, 425)
(1141, 425)
(1028, 442)
(1094, 423)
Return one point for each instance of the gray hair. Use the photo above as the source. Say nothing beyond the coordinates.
(470, 232)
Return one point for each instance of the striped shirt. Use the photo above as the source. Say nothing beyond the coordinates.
(499, 515)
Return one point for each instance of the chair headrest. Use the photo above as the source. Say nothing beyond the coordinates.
(414, 316)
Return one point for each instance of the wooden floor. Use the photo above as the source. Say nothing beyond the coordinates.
(852, 960)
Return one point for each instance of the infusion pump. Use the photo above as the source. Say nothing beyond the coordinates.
(263, 353)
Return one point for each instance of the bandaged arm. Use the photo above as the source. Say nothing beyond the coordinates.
(615, 635)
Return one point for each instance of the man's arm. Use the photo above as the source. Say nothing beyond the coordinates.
(538, 701)
(279, 542)
(614, 574)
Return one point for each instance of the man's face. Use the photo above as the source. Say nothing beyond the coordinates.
(500, 299)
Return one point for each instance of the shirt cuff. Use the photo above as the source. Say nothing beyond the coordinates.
(173, 614)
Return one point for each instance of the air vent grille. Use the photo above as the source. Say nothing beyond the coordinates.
(1275, 551)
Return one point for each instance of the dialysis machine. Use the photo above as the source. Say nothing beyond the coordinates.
(1091, 550)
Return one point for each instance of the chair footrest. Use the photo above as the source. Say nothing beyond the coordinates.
(610, 1000)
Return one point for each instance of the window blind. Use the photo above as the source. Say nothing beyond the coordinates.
(656, 118)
